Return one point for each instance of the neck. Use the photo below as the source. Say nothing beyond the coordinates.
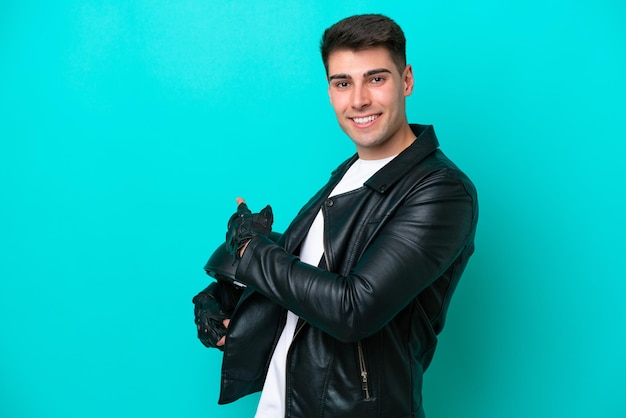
(400, 141)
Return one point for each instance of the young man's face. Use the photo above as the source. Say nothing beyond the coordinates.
(368, 95)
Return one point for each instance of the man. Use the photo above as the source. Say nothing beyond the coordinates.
(340, 316)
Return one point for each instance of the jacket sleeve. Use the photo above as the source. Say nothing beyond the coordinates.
(415, 245)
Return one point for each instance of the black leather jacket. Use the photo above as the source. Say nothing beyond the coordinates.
(370, 314)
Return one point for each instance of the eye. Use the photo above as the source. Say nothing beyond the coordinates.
(377, 79)
(342, 84)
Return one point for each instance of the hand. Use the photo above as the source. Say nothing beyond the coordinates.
(210, 318)
(243, 225)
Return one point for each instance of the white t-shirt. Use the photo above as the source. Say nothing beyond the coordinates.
(272, 402)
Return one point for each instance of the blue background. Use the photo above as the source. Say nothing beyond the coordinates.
(127, 128)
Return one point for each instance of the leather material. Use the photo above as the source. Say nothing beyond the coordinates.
(209, 314)
(220, 264)
(243, 225)
(370, 314)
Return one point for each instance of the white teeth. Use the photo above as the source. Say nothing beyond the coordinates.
(365, 119)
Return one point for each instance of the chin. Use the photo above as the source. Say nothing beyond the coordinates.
(368, 141)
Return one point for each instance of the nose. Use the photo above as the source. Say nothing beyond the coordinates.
(360, 97)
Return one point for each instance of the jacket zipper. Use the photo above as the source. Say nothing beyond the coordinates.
(297, 331)
(364, 382)
(295, 334)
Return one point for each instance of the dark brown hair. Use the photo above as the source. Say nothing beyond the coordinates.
(362, 32)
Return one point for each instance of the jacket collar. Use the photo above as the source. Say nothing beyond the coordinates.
(425, 143)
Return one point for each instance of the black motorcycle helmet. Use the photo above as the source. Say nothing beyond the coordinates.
(221, 265)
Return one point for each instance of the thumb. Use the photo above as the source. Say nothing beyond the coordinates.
(242, 209)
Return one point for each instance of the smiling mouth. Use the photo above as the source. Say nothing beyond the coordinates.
(365, 120)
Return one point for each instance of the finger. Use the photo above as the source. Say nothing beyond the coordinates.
(240, 200)
(221, 342)
(243, 209)
(226, 322)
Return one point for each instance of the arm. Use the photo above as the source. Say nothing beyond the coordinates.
(413, 248)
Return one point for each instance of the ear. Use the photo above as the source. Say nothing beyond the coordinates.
(408, 80)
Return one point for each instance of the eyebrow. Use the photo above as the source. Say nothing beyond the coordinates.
(365, 74)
